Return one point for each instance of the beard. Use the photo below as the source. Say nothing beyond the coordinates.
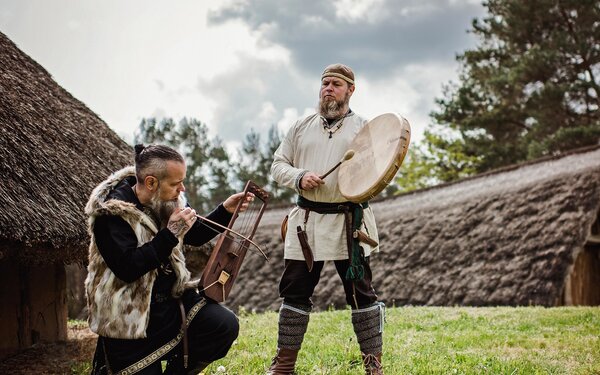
(162, 210)
(332, 108)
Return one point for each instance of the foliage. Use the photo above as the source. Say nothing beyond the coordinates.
(212, 174)
(255, 161)
(437, 160)
(433, 340)
(219, 166)
(530, 88)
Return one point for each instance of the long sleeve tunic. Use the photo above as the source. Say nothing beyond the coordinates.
(308, 147)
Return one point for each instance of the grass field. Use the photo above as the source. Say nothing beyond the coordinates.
(432, 340)
(435, 340)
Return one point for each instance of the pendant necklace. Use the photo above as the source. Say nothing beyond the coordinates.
(333, 129)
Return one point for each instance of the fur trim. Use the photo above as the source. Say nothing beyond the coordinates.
(118, 309)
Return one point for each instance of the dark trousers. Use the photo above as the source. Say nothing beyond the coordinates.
(210, 336)
(297, 285)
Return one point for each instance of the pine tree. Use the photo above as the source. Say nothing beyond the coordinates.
(531, 87)
(278, 193)
(220, 167)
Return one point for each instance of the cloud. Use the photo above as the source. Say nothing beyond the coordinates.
(256, 94)
(401, 51)
(373, 36)
(243, 64)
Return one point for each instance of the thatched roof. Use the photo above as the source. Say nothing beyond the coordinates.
(53, 151)
(504, 238)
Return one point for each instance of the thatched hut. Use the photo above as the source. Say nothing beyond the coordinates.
(53, 151)
(524, 235)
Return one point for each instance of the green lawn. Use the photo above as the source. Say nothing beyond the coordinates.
(435, 340)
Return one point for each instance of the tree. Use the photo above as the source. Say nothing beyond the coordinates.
(278, 193)
(255, 161)
(435, 160)
(531, 87)
(220, 167)
(249, 165)
(212, 175)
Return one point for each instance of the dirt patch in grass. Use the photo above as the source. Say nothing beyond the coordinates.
(56, 358)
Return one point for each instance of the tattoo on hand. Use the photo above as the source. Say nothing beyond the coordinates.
(177, 227)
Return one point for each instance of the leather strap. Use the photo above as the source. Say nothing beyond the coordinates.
(184, 329)
(348, 222)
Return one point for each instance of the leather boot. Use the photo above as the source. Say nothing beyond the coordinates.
(284, 362)
(372, 364)
(368, 326)
(293, 321)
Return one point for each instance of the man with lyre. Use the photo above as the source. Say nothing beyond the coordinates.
(320, 227)
(141, 301)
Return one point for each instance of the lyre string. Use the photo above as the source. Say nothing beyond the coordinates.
(249, 218)
(245, 220)
(242, 219)
(243, 224)
(244, 242)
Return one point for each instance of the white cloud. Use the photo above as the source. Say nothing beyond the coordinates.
(359, 10)
(238, 65)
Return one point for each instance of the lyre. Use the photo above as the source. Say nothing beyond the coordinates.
(228, 254)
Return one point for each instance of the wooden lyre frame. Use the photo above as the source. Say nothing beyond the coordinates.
(228, 254)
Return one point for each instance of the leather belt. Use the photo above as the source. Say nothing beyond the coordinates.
(352, 229)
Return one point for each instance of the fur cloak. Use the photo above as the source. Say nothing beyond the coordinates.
(118, 309)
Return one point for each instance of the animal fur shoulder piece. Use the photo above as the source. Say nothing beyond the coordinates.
(118, 309)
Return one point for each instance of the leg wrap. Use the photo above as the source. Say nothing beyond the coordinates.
(293, 321)
(368, 326)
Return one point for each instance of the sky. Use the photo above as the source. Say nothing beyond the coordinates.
(241, 65)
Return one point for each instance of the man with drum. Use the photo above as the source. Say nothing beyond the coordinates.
(324, 225)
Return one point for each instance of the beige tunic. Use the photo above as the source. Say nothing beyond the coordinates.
(307, 147)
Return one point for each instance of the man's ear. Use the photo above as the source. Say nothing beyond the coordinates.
(351, 89)
(151, 183)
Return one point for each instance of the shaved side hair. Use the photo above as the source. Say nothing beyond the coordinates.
(152, 160)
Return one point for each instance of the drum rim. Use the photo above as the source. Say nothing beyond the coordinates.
(392, 167)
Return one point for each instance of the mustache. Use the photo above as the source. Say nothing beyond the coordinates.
(163, 209)
(329, 107)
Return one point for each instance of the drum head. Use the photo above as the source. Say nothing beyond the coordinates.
(379, 149)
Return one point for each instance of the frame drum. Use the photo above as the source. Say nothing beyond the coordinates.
(379, 149)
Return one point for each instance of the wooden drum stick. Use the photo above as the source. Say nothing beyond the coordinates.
(347, 156)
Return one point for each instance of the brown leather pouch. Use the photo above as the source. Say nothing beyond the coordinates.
(364, 238)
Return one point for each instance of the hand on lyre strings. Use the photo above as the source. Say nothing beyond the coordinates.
(181, 220)
(310, 181)
(231, 203)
